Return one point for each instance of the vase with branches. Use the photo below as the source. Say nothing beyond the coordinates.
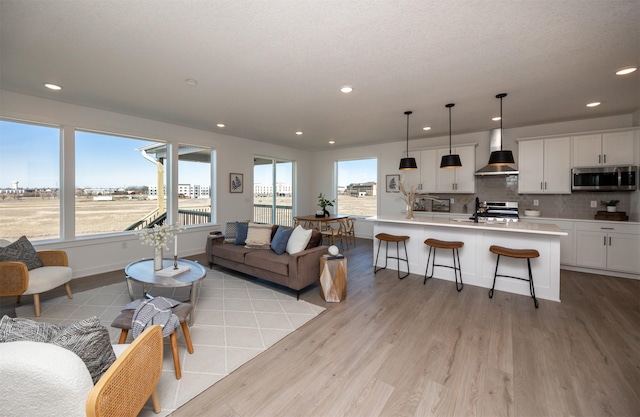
(409, 196)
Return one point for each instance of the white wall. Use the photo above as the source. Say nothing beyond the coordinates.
(93, 255)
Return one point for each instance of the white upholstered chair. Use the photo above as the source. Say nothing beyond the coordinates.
(43, 379)
(16, 279)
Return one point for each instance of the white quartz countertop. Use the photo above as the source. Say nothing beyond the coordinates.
(465, 223)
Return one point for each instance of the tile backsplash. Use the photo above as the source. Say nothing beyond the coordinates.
(576, 205)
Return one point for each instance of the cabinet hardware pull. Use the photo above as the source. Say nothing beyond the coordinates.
(604, 159)
(545, 185)
(604, 240)
(609, 240)
(599, 159)
(541, 186)
(607, 228)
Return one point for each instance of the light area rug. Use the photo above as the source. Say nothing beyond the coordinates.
(235, 320)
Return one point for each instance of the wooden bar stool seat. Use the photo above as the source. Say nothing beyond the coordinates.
(386, 238)
(527, 254)
(443, 244)
(182, 311)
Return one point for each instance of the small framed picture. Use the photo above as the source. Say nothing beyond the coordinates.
(441, 205)
(236, 183)
(393, 183)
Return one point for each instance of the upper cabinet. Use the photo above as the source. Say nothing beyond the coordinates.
(412, 177)
(430, 164)
(545, 166)
(614, 148)
(457, 180)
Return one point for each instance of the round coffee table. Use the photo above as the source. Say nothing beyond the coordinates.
(142, 272)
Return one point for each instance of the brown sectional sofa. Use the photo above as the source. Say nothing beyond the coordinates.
(296, 271)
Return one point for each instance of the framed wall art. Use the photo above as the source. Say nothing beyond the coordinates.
(393, 183)
(236, 183)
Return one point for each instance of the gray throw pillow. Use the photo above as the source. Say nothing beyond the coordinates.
(17, 329)
(88, 339)
(21, 251)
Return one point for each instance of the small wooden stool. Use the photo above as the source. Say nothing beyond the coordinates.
(515, 253)
(442, 244)
(182, 311)
(385, 237)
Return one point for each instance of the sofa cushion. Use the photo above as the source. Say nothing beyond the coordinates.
(17, 329)
(315, 241)
(21, 251)
(259, 236)
(280, 240)
(269, 261)
(233, 253)
(241, 233)
(88, 339)
(230, 232)
(299, 240)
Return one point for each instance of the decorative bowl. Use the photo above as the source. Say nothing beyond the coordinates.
(532, 213)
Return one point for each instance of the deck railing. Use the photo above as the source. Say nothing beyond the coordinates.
(263, 213)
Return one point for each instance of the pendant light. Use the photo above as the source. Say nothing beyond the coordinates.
(451, 160)
(407, 164)
(499, 158)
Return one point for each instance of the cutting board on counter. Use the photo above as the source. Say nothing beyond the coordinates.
(612, 216)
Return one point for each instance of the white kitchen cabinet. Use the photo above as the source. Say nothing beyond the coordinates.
(457, 180)
(545, 166)
(609, 246)
(429, 166)
(567, 243)
(613, 148)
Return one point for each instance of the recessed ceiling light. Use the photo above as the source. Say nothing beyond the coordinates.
(191, 82)
(220, 125)
(426, 128)
(594, 104)
(497, 118)
(346, 89)
(53, 87)
(625, 71)
(299, 132)
(331, 142)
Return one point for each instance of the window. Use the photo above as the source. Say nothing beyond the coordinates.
(29, 181)
(273, 191)
(194, 185)
(116, 183)
(357, 187)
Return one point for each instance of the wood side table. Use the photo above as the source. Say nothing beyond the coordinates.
(333, 279)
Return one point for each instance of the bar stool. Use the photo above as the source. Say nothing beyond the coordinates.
(182, 311)
(443, 244)
(519, 254)
(385, 237)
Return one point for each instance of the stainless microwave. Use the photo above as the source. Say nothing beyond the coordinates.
(611, 178)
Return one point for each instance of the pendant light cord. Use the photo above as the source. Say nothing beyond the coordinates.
(408, 133)
(450, 130)
(501, 96)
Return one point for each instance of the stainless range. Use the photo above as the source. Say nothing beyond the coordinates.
(498, 211)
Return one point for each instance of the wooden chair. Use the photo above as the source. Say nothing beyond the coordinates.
(334, 231)
(350, 230)
(129, 382)
(16, 279)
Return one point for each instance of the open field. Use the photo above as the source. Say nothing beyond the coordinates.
(39, 218)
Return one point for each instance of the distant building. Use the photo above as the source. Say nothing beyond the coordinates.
(362, 189)
(184, 191)
(266, 190)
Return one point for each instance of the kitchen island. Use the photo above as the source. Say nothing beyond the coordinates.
(478, 264)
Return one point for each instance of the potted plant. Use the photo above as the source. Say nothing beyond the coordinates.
(323, 202)
(610, 204)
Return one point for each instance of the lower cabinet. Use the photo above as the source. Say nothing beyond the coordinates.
(609, 246)
(567, 243)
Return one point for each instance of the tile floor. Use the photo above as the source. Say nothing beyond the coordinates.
(235, 320)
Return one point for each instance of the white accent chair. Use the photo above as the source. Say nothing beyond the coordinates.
(43, 379)
(16, 279)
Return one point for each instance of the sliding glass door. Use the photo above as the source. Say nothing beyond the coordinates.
(272, 191)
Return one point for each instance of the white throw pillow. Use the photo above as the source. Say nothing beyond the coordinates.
(299, 240)
(259, 236)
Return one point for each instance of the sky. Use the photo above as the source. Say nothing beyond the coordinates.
(29, 154)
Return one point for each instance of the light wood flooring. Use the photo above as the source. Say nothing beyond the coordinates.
(401, 348)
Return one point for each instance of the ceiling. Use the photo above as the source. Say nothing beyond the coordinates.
(268, 68)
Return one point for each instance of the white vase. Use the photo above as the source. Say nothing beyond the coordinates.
(157, 259)
(611, 209)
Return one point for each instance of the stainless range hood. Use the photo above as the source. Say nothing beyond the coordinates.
(494, 145)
